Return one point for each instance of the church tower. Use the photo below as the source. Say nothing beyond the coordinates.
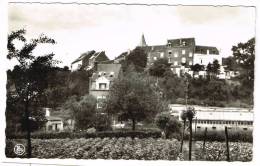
(142, 42)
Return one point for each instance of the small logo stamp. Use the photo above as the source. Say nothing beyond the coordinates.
(19, 149)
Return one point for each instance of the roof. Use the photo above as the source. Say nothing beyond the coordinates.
(181, 42)
(105, 69)
(53, 118)
(84, 55)
(203, 50)
(155, 48)
(217, 113)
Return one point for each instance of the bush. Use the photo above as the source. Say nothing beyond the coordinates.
(85, 134)
(234, 136)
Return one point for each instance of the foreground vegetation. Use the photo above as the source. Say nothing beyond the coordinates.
(130, 149)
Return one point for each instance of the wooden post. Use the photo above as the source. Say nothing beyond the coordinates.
(195, 126)
(227, 145)
(190, 141)
(204, 141)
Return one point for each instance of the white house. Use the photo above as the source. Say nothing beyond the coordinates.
(204, 55)
(53, 123)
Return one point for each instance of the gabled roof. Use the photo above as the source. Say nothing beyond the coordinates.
(84, 55)
(203, 50)
(181, 42)
(106, 70)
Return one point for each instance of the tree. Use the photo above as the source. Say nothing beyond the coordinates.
(82, 111)
(167, 123)
(30, 75)
(138, 58)
(183, 118)
(190, 113)
(131, 97)
(215, 67)
(159, 67)
(244, 54)
(196, 68)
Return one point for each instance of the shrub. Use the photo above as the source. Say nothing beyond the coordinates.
(86, 134)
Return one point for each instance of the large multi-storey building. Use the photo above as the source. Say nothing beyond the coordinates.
(181, 54)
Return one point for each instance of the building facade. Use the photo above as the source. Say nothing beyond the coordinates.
(102, 79)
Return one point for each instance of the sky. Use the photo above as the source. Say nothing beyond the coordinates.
(118, 28)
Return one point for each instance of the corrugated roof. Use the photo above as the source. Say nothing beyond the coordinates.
(203, 50)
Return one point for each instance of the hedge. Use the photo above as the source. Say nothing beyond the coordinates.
(83, 134)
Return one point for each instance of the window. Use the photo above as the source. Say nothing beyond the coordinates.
(175, 63)
(111, 74)
(244, 128)
(190, 63)
(175, 54)
(102, 86)
(190, 54)
(213, 127)
(161, 55)
(169, 44)
(169, 52)
(183, 60)
(169, 60)
(183, 52)
(198, 127)
(155, 58)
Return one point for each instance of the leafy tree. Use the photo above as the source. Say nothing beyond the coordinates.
(172, 86)
(131, 98)
(83, 112)
(230, 63)
(190, 114)
(196, 68)
(244, 54)
(183, 118)
(215, 67)
(159, 67)
(138, 58)
(30, 75)
(167, 123)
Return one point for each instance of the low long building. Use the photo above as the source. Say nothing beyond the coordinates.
(216, 118)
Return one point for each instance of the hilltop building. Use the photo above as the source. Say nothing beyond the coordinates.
(87, 60)
(181, 54)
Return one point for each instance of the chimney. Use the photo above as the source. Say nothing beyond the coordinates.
(47, 112)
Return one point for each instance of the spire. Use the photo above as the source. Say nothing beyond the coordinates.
(142, 42)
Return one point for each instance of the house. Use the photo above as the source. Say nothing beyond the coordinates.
(87, 60)
(53, 123)
(181, 53)
(102, 79)
(216, 118)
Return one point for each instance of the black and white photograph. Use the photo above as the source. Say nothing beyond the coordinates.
(130, 81)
